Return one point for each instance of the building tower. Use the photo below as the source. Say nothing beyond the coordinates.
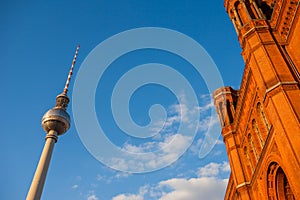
(261, 121)
(55, 122)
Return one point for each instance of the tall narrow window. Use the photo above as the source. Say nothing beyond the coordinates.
(257, 10)
(234, 21)
(221, 113)
(251, 9)
(251, 144)
(263, 116)
(229, 111)
(266, 7)
(258, 133)
(241, 13)
(248, 162)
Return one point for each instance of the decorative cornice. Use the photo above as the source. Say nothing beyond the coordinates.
(250, 28)
(273, 90)
(286, 11)
(276, 12)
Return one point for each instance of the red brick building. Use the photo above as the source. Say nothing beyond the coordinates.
(261, 121)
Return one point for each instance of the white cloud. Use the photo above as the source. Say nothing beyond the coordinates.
(213, 169)
(206, 107)
(168, 145)
(178, 113)
(163, 152)
(92, 197)
(116, 176)
(210, 127)
(206, 110)
(128, 197)
(140, 196)
(122, 175)
(196, 146)
(226, 167)
(208, 121)
(100, 177)
(217, 153)
(207, 185)
(181, 111)
(207, 127)
(194, 189)
(75, 186)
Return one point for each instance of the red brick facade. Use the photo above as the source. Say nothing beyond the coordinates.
(261, 121)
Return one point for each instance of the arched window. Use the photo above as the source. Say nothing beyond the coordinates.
(248, 162)
(234, 21)
(258, 133)
(266, 7)
(241, 13)
(257, 11)
(252, 146)
(278, 184)
(251, 10)
(263, 116)
(221, 113)
(229, 112)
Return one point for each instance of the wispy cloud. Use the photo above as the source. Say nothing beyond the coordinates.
(167, 146)
(114, 177)
(154, 159)
(177, 113)
(122, 175)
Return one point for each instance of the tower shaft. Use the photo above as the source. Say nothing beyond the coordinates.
(39, 178)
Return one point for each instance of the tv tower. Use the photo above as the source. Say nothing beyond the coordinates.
(55, 122)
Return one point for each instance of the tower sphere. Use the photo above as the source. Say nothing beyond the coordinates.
(56, 119)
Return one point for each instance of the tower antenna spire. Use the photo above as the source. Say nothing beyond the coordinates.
(71, 71)
(55, 122)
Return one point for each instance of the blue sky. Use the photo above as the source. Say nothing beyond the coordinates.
(38, 40)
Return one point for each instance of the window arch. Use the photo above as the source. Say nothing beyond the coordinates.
(266, 7)
(248, 162)
(256, 10)
(229, 112)
(278, 184)
(234, 21)
(263, 116)
(221, 113)
(241, 13)
(258, 133)
(251, 9)
(252, 146)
